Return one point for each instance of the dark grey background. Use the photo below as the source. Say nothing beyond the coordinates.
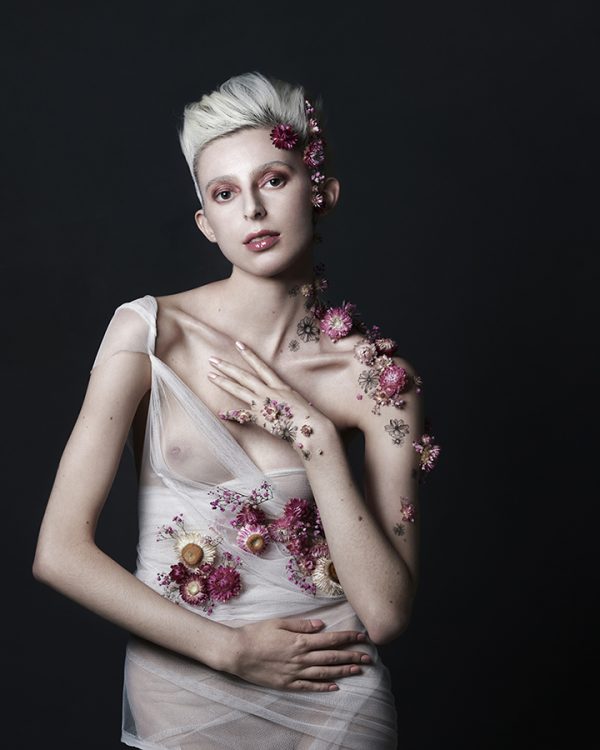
(465, 136)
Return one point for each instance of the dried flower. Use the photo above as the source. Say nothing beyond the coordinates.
(284, 136)
(393, 380)
(193, 589)
(253, 538)
(337, 321)
(325, 577)
(428, 450)
(224, 583)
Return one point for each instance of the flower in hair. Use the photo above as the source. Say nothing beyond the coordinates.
(314, 153)
(317, 199)
(284, 136)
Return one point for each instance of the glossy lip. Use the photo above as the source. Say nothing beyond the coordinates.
(262, 233)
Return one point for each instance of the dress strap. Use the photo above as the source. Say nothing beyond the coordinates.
(147, 308)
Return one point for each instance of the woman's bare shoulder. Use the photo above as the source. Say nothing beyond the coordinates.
(185, 319)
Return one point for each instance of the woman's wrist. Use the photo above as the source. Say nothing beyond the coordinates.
(312, 443)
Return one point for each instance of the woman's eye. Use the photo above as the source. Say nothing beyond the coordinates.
(223, 195)
(275, 181)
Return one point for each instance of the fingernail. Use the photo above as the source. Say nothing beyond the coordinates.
(366, 659)
(333, 687)
(240, 345)
(316, 623)
(361, 637)
(214, 360)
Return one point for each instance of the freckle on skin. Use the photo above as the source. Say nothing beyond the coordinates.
(360, 518)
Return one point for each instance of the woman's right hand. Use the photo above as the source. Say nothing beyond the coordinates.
(291, 654)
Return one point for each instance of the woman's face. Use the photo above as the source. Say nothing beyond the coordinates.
(249, 186)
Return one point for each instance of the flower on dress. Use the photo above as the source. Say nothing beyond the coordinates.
(284, 136)
(224, 583)
(189, 579)
(193, 589)
(194, 549)
(325, 577)
(254, 538)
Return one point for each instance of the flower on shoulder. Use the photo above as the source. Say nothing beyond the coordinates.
(386, 346)
(393, 380)
(365, 352)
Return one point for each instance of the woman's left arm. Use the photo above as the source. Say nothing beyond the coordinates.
(372, 539)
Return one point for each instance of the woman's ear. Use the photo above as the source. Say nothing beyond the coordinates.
(204, 225)
(331, 191)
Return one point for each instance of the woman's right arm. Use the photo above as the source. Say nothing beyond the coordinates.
(68, 559)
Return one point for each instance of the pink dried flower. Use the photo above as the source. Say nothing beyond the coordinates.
(408, 511)
(297, 509)
(393, 380)
(284, 136)
(428, 450)
(224, 583)
(337, 321)
(318, 199)
(193, 589)
(365, 352)
(179, 573)
(386, 346)
(247, 516)
(314, 153)
(253, 538)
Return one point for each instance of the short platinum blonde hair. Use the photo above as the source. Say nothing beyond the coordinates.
(251, 100)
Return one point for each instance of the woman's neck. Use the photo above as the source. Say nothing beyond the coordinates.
(266, 309)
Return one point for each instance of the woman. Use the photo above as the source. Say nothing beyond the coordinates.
(243, 630)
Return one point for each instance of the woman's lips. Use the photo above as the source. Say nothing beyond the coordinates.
(262, 242)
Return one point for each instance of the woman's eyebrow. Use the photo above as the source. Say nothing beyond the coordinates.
(262, 167)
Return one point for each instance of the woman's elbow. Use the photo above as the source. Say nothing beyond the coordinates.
(384, 630)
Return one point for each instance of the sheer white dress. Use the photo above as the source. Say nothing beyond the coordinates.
(171, 701)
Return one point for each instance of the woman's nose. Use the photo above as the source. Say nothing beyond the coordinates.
(253, 208)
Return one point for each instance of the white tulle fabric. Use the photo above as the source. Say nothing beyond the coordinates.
(171, 701)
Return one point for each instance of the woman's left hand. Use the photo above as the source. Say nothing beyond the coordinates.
(272, 403)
